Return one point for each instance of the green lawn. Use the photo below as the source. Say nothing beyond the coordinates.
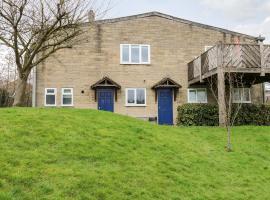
(85, 154)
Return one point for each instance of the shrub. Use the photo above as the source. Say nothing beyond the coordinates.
(197, 115)
(207, 115)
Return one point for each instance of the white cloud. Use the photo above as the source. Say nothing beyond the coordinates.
(240, 10)
(256, 29)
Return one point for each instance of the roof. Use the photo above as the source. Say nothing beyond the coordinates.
(166, 83)
(169, 17)
(105, 82)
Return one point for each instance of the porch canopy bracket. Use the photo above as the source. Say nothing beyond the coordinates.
(106, 82)
(167, 83)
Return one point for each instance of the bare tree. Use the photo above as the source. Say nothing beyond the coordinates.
(233, 102)
(8, 76)
(36, 29)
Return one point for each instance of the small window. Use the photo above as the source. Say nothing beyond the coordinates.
(241, 95)
(136, 97)
(50, 96)
(67, 96)
(135, 54)
(197, 95)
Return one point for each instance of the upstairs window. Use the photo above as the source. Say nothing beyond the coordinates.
(67, 96)
(198, 95)
(241, 95)
(135, 54)
(50, 96)
(135, 97)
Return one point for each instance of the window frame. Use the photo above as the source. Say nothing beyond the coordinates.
(242, 95)
(54, 94)
(62, 95)
(135, 97)
(196, 89)
(140, 54)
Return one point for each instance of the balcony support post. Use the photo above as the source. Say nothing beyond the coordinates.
(221, 98)
(221, 87)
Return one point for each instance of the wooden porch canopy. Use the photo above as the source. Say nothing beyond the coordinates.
(167, 83)
(106, 82)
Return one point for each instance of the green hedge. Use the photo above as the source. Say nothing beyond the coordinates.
(207, 115)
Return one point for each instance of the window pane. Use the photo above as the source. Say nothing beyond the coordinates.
(140, 96)
(145, 53)
(135, 54)
(67, 99)
(131, 96)
(237, 95)
(50, 99)
(267, 86)
(201, 96)
(67, 91)
(192, 96)
(246, 94)
(267, 96)
(50, 91)
(125, 53)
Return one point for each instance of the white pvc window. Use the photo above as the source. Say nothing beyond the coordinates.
(136, 97)
(135, 54)
(197, 95)
(67, 97)
(50, 96)
(241, 95)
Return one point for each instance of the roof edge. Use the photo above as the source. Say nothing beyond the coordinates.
(170, 17)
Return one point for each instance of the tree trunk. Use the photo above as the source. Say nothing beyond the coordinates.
(20, 92)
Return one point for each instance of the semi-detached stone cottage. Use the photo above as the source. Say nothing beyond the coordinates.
(135, 66)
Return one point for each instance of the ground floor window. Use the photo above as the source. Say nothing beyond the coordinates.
(50, 96)
(67, 96)
(197, 95)
(135, 97)
(241, 95)
(267, 92)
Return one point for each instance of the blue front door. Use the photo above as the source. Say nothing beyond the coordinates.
(165, 106)
(106, 99)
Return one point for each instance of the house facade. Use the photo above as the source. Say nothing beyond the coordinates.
(135, 66)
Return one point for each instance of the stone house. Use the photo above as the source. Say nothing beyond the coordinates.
(135, 66)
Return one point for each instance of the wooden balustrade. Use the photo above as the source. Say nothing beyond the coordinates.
(246, 57)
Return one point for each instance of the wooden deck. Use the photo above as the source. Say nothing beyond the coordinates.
(239, 58)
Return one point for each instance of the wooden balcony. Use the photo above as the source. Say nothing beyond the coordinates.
(251, 59)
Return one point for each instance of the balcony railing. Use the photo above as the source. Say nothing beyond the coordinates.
(230, 56)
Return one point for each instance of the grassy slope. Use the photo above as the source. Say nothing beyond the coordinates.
(84, 154)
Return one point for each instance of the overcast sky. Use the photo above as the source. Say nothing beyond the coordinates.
(247, 16)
